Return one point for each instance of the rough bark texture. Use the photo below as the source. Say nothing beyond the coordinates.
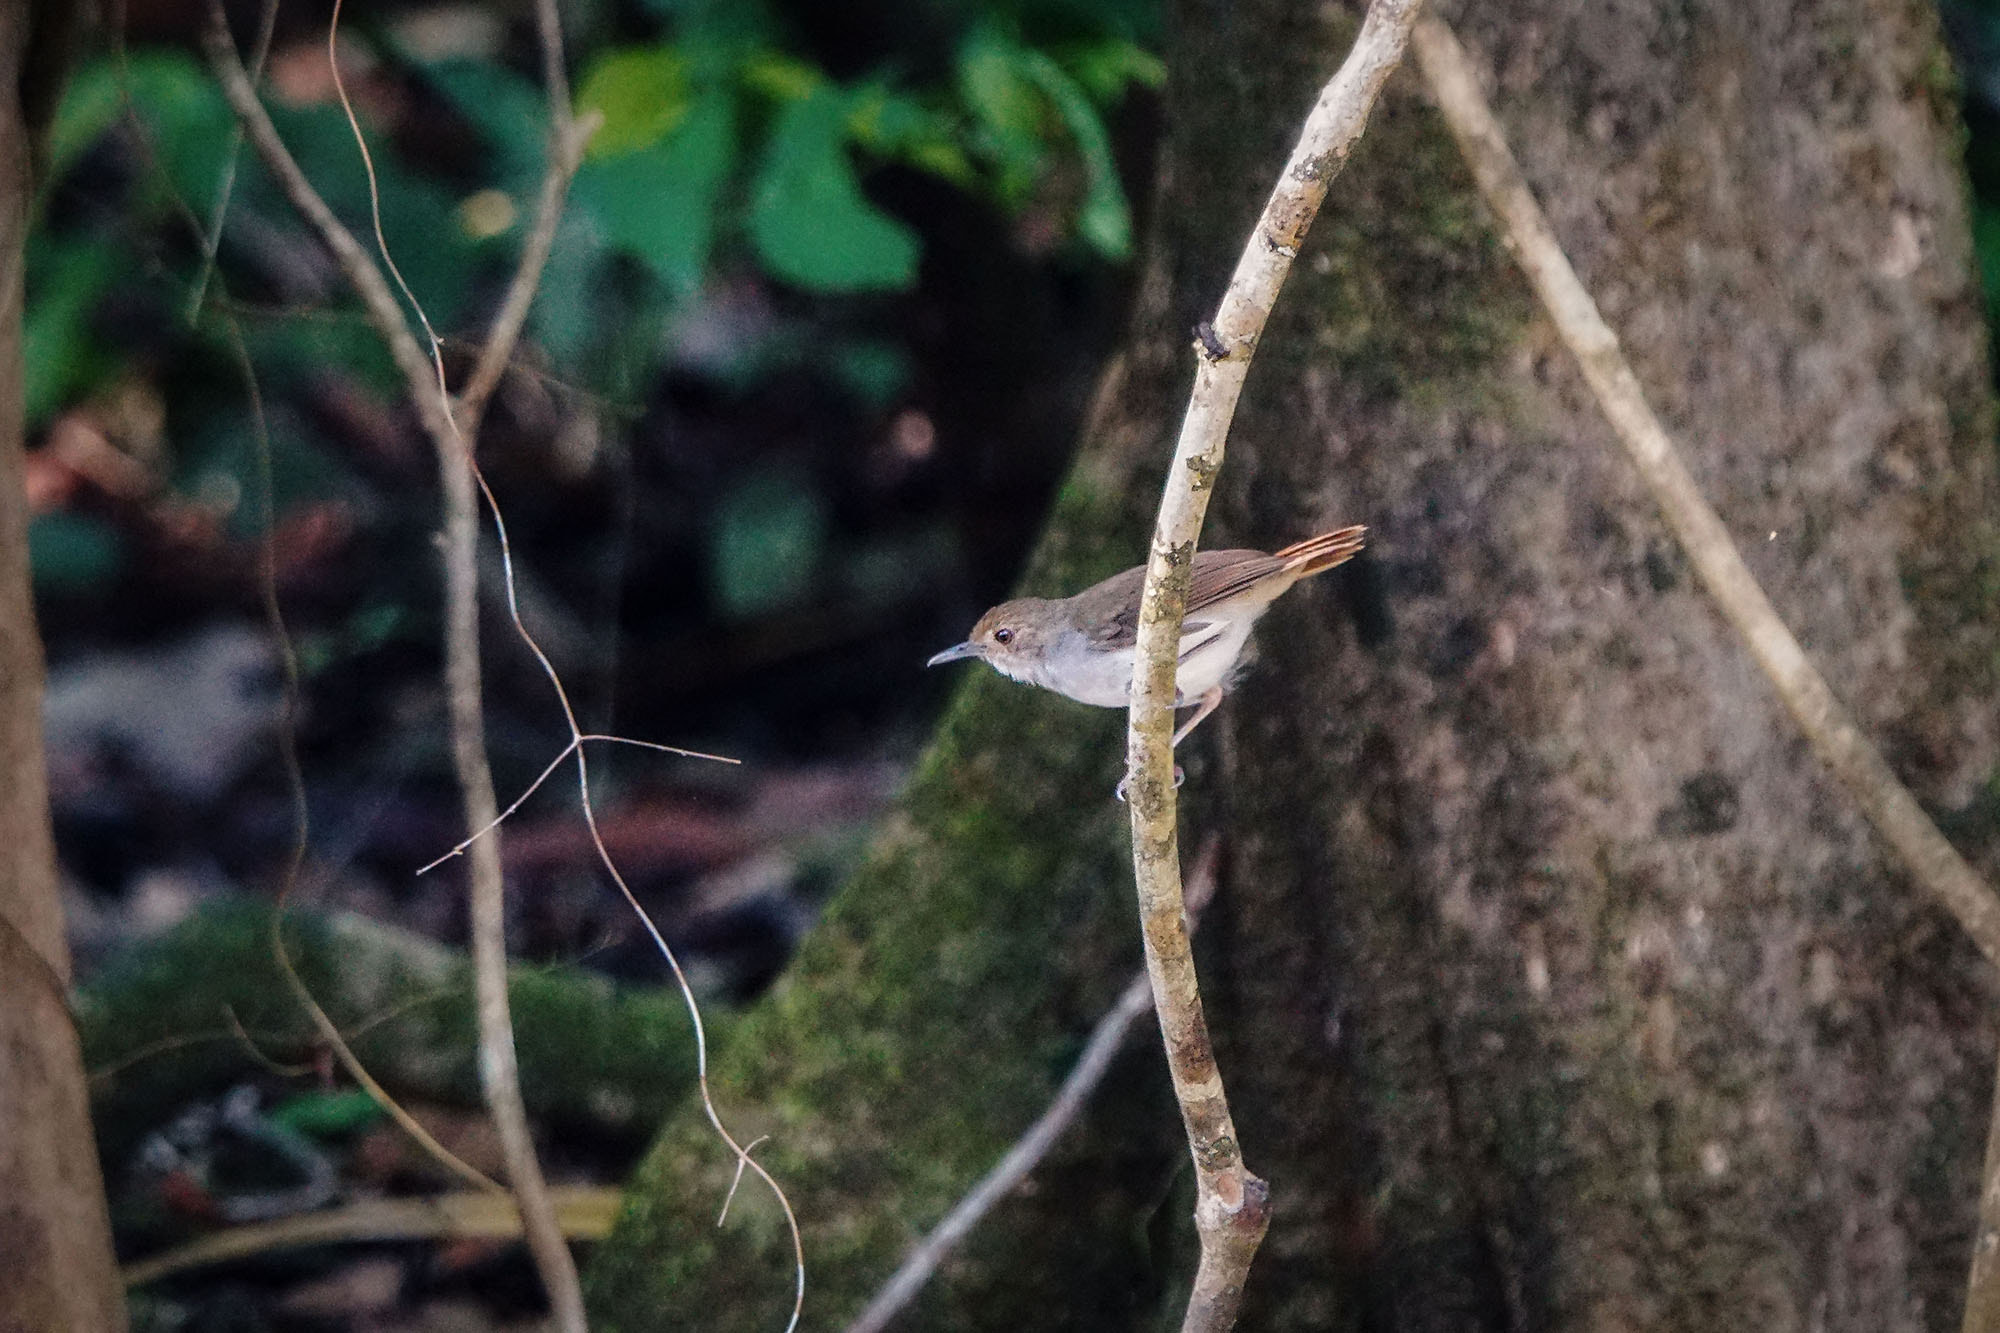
(56, 1269)
(1555, 986)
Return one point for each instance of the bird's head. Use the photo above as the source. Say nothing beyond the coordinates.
(1012, 637)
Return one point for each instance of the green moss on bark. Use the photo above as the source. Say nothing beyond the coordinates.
(156, 1025)
(927, 1019)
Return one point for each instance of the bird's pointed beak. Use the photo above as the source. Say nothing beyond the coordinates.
(954, 653)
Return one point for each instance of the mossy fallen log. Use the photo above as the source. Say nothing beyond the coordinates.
(160, 1026)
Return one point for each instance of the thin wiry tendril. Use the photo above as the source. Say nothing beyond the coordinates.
(577, 735)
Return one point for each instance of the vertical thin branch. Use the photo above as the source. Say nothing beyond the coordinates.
(498, 1064)
(567, 139)
(55, 1234)
(424, 380)
(1232, 1206)
(499, 1068)
(207, 236)
(1926, 855)
(211, 235)
(376, 296)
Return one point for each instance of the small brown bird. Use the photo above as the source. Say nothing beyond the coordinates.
(1082, 646)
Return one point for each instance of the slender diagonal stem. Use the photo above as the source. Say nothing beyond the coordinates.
(567, 138)
(585, 1212)
(922, 1262)
(378, 299)
(1930, 859)
(1842, 746)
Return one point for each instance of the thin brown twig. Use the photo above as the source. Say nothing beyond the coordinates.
(101, 1074)
(211, 235)
(269, 1063)
(1982, 1281)
(1027, 1152)
(236, 1032)
(328, 1030)
(549, 772)
(1232, 1208)
(584, 1212)
(1926, 855)
(499, 1062)
(1840, 743)
(377, 298)
(567, 138)
(425, 382)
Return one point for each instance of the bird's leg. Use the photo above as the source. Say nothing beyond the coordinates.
(1210, 698)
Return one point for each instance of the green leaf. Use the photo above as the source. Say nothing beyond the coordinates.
(660, 203)
(809, 221)
(781, 77)
(91, 103)
(186, 123)
(875, 372)
(439, 260)
(67, 280)
(769, 535)
(324, 1115)
(1986, 244)
(1006, 107)
(1105, 220)
(568, 318)
(641, 92)
(1106, 68)
(901, 127)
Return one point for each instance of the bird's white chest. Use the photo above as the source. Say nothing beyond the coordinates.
(1104, 678)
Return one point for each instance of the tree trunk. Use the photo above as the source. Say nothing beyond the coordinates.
(1555, 986)
(56, 1270)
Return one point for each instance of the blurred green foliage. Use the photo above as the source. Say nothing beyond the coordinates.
(684, 117)
(715, 132)
(768, 529)
(738, 140)
(71, 552)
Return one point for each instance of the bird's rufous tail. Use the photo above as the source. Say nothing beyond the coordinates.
(1316, 555)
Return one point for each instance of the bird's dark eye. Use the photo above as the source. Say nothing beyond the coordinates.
(1003, 635)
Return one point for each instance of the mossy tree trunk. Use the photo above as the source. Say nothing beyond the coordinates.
(1556, 987)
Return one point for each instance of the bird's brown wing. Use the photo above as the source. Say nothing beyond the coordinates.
(1218, 575)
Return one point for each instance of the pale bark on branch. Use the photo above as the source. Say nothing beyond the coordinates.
(1232, 1208)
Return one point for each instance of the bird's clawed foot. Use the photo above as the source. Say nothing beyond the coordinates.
(1180, 776)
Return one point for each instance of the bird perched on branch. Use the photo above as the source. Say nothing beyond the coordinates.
(1082, 646)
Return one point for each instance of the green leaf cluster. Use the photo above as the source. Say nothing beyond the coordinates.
(724, 144)
(709, 126)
